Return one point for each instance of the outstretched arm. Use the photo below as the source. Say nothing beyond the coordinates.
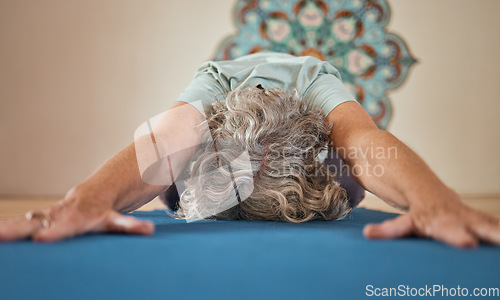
(95, 204)
(389, 169)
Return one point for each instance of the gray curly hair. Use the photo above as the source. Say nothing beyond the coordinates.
(284, 182)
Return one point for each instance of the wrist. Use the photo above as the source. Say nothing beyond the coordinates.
(89, 192)
(426, 196)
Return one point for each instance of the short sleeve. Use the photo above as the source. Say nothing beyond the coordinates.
(204, 88)
(326, 92)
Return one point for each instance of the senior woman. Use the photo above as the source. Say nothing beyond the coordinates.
(249, 103)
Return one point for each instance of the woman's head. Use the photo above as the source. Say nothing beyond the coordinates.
(263, 164)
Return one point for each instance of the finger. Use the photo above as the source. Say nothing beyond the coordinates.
(487, 233)
(19, 228)
(127, 224)
(486, 228)
(57, 231)
(66, 226)
(390, 229)
(452, 231)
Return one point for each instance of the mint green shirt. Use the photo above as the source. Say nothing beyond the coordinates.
(317, 81)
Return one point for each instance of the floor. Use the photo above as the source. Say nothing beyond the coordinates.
(11, 207)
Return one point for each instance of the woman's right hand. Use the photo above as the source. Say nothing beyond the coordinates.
(74, 215)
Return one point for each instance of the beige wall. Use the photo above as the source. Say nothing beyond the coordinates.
(449, 110)
(77, 77)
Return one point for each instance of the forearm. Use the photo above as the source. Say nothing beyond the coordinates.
(395, 173)
(118, 183)
(137, 174)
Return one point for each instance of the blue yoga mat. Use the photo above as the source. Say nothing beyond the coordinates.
(242, 260)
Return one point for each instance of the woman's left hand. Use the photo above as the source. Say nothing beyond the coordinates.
(450, 221)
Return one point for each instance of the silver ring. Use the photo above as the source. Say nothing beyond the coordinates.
(40, 216)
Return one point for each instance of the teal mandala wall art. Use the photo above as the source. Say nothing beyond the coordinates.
(350, 34)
